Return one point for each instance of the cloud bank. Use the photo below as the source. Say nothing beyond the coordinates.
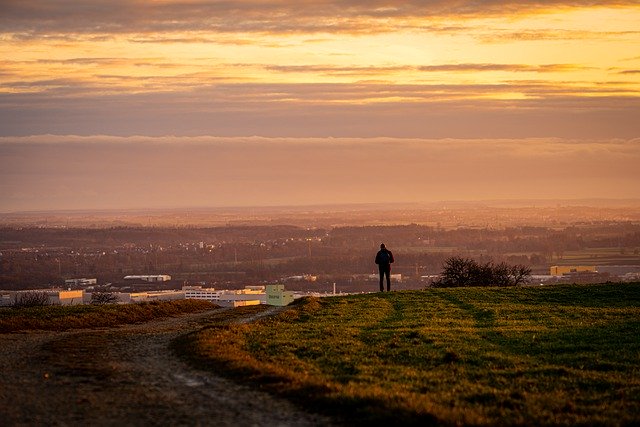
(308, 16)
(324, 110)
(73, 172)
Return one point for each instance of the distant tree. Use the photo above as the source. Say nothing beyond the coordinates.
(501, 275)
(458, 272)
(102, 298)
(520, 274)
(31, 299)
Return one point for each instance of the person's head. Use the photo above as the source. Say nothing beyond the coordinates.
(382, 246)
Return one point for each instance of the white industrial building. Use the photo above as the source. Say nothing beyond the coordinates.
(305, 277)
(276, 295)
(250, 295)
(149, 277)
(80, 282)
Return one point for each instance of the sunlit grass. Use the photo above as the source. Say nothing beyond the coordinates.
(86, 316)
(553, 355)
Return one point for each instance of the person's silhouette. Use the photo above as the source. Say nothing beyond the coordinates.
(384, 259)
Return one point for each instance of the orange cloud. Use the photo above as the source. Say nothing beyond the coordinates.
(371, 70)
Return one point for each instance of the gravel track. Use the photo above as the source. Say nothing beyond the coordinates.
(128, 376)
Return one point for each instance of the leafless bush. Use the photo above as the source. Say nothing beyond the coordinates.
(459, 271)
(31, 299)
(101, 298)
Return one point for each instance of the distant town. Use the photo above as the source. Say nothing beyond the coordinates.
(319, 252)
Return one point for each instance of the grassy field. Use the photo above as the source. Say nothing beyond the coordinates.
(600, 256)
(563, 355)
(58, 318)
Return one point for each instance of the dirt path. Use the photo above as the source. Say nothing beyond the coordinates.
(127, 376)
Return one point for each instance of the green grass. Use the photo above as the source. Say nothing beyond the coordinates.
(58, 318)
(564, 355)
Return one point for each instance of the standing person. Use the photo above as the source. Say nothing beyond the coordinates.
(384, 259)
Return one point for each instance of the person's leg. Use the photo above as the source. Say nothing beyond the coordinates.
(388, 272)
(381, 280)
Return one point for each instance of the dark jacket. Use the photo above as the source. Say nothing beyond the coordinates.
(384, 258)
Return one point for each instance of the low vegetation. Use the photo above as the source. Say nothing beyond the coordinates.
(562, 355)
(461, 272)
(101, 298)
(57, 318)
(31, 299)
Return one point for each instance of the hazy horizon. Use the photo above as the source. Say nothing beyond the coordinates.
(107, 172)
(613, 203)
(125, 104)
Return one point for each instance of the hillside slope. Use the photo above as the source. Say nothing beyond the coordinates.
(560, 355)
(128, 376)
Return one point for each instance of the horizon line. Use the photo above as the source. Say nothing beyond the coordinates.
(573, 202)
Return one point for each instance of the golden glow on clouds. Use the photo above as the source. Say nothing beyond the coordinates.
(566, 49)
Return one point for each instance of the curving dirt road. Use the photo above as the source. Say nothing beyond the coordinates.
(127, 376)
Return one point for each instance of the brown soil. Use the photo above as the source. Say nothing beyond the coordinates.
(128, 376)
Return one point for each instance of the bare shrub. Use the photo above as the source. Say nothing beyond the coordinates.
(31, 299)
(102, 298)
(459, 272)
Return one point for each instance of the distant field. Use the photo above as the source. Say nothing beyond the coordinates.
(600, 256)
(58, 318)
(429, 249)
(561, 355)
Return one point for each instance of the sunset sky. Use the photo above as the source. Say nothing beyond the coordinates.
(169, 103)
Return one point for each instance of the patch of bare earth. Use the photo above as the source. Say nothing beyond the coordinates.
(128, 376)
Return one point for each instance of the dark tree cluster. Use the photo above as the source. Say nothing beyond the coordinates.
(459, 272)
